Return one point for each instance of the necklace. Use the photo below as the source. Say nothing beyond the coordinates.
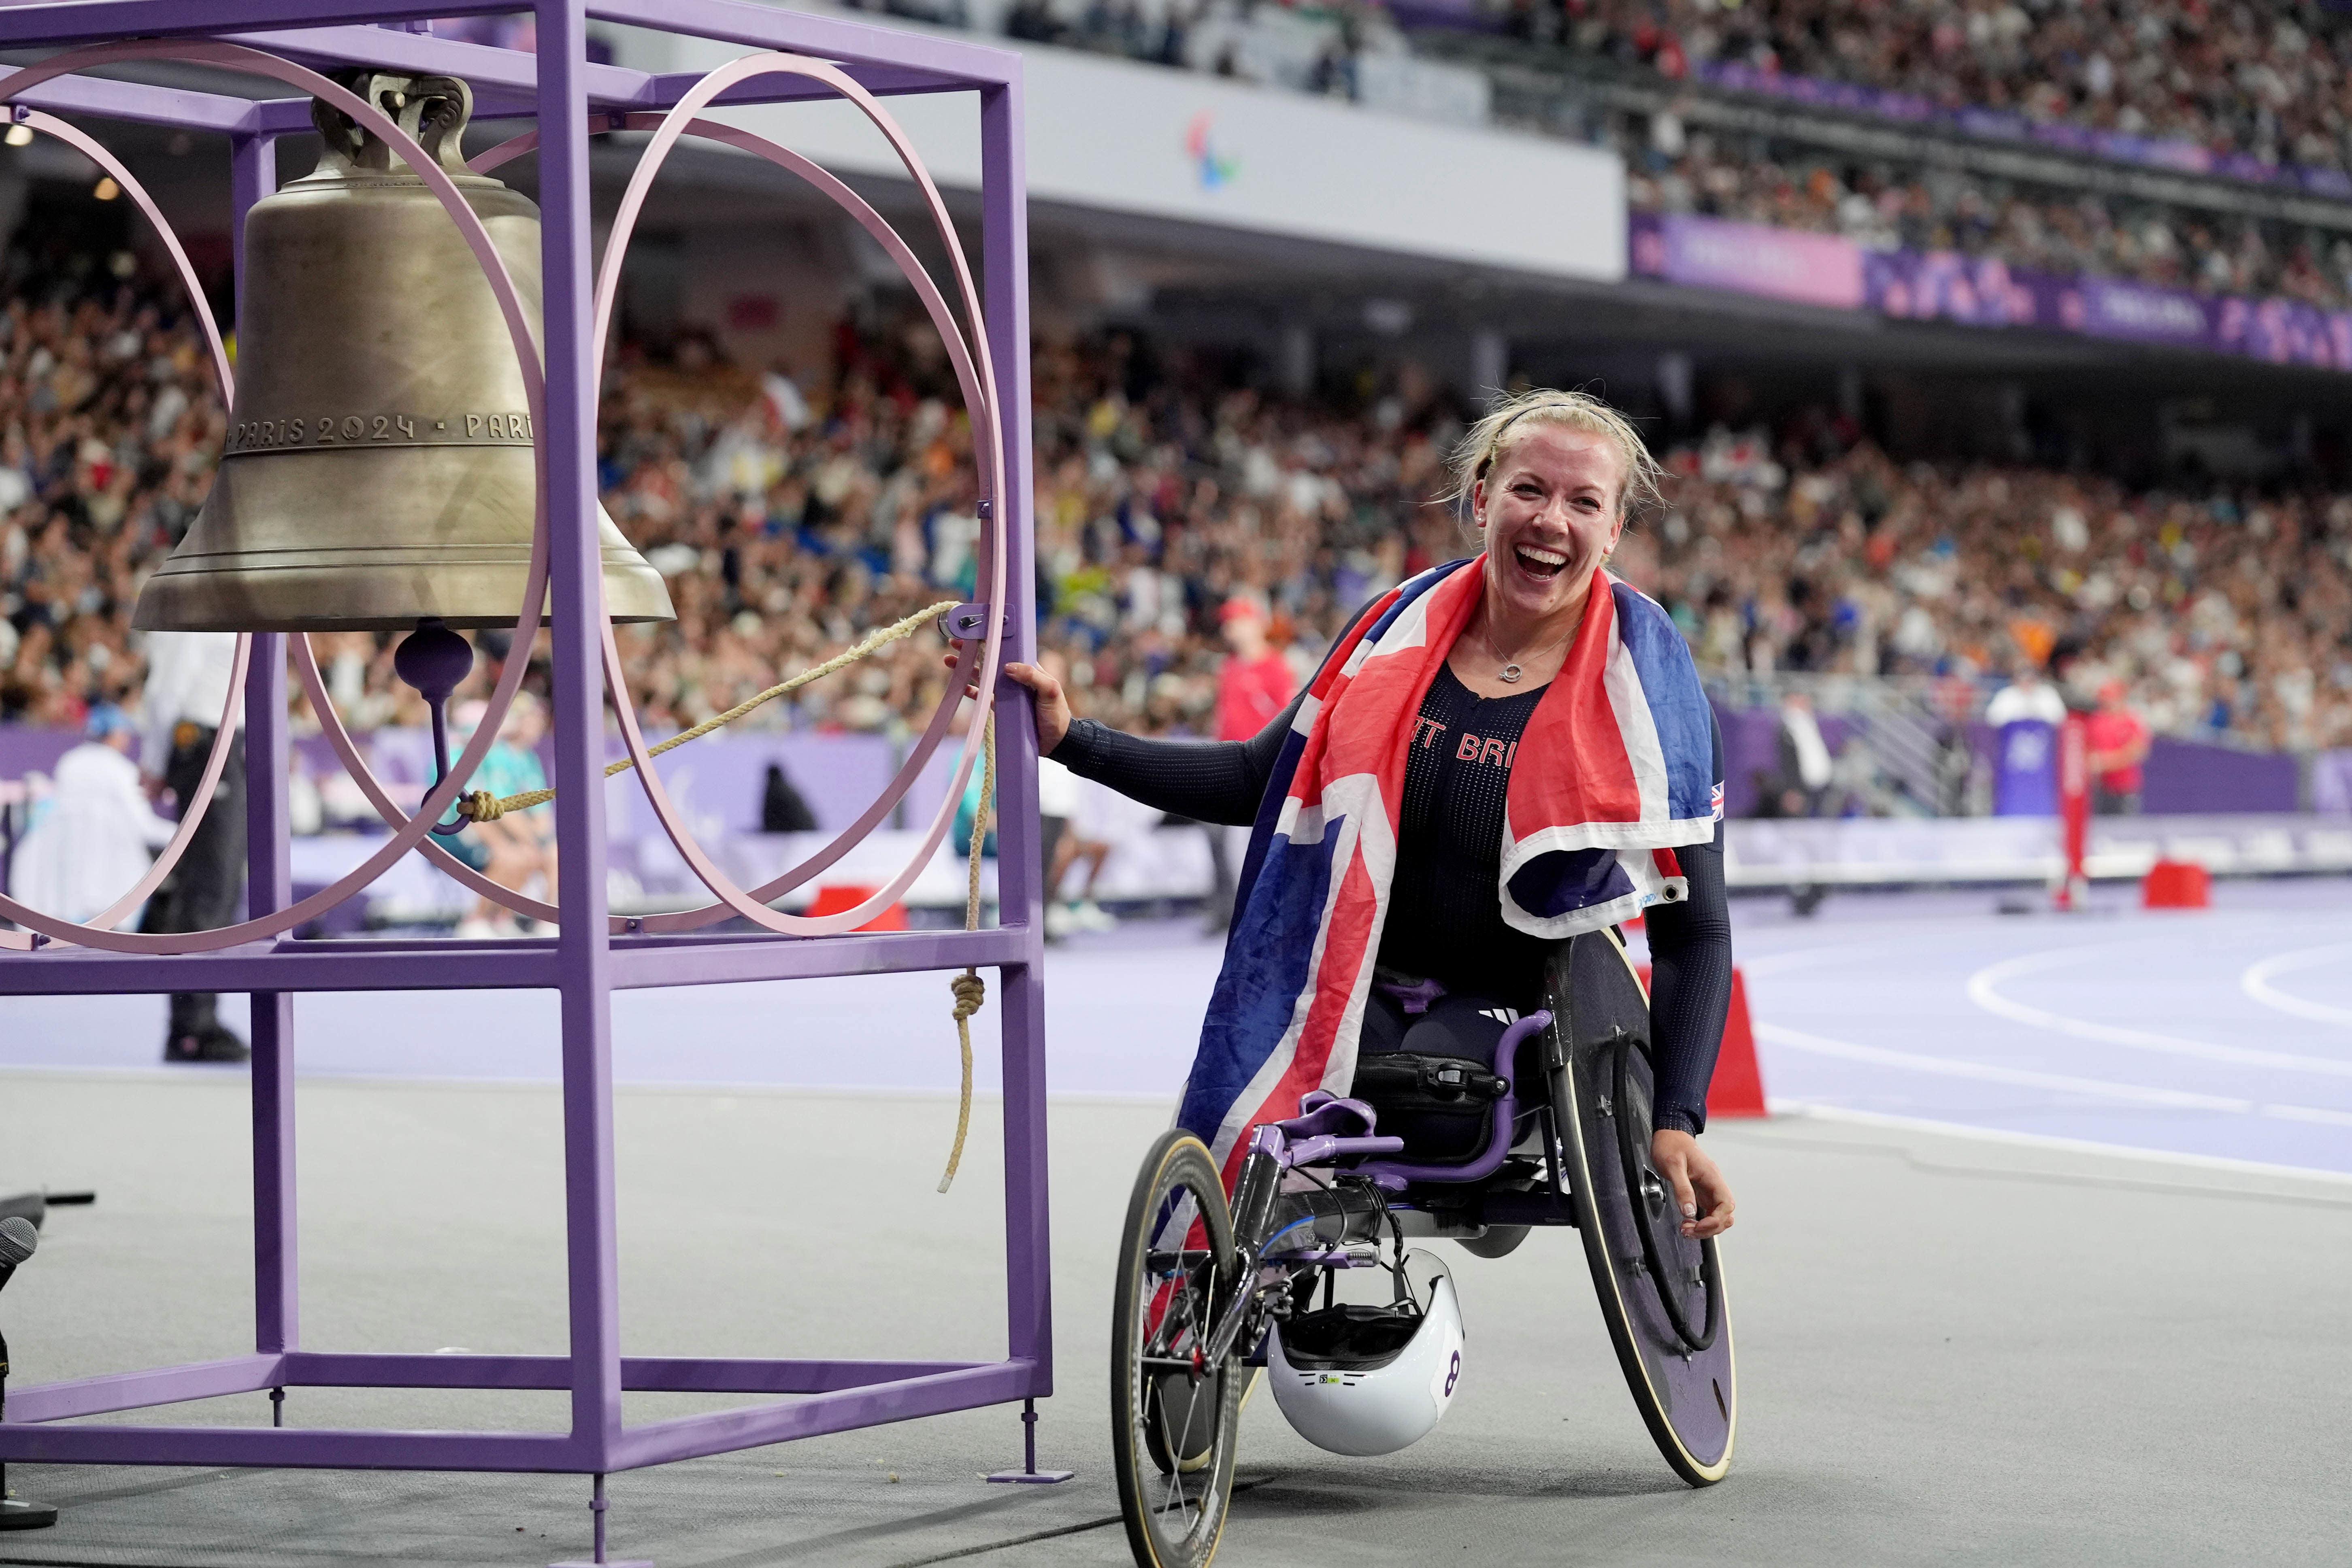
(1510, 673)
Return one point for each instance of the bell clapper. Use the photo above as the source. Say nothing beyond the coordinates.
(436, 661)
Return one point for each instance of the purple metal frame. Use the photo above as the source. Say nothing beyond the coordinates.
(584, 965)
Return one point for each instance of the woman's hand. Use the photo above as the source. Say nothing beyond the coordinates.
(1053, 704)
(1700, 1191)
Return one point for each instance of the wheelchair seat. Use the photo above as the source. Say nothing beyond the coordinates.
(1430, 1073)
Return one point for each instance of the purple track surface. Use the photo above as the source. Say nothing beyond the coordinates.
(2220, 1034)
(2225, 1034)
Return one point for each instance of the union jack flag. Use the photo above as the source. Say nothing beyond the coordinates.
(1626, 773)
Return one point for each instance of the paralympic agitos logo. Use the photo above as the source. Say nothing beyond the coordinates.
(1214, 171)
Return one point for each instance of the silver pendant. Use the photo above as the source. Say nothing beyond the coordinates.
(1509, 674)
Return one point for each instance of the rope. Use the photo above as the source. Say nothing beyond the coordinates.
(481, 805)
(971, 990)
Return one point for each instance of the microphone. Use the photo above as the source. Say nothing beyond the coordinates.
(18, 1241)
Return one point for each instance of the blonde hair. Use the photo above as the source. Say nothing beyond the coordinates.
(1576, 410)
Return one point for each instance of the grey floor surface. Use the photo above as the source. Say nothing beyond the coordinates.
(1950, 1350)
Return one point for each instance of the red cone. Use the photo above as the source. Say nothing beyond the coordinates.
(832, 897)
(1738, 1087)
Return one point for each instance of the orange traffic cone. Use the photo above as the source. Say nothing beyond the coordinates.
(1738, 1087)
(832, 897)
(2176, 884)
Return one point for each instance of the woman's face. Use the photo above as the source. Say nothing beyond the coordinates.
(1549, 511)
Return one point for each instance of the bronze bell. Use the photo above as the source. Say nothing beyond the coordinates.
(379, 466)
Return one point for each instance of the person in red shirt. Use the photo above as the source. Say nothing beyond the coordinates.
(1253, 684)
(2118, 741)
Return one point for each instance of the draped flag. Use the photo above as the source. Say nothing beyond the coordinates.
(1615, 768)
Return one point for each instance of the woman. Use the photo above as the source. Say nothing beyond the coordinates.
(1559, 771)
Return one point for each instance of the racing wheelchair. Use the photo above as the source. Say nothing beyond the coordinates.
(1209, 1291)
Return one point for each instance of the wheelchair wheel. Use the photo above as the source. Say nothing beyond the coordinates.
(1174, 1416)
(1661, 1294)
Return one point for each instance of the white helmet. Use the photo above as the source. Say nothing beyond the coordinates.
(1370, 1380)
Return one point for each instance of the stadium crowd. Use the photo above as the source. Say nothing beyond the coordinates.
(1886, 206)
(2273, 81)
(788, 520)
(2215, 75)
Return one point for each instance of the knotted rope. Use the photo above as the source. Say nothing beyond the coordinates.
(971, 990)
(481, 805)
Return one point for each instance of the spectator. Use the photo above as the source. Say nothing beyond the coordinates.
(1806, 766)
(518, 849)
(188, 677)
(2117, 742)
(1253, 684)
(90, 842)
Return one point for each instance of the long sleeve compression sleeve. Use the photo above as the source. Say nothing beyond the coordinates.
(1208, 780)
(1690, 982)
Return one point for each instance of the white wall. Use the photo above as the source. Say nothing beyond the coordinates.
(1145, 139)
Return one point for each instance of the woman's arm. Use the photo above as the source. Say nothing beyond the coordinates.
(1690, 996)
(1208, 780)
(1690, 986)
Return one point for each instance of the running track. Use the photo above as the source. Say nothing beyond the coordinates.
(2224, 1036)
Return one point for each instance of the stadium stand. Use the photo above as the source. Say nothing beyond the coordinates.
(1886, 205)
(789, 522)
(2264, 83)
(2046, 99)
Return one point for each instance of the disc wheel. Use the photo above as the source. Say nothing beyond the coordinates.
(1661, 1295)
(1175, 1415)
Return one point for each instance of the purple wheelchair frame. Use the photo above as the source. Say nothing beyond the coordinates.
(1330, 1128)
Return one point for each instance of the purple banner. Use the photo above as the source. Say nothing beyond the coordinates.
(1779, 263)
(1978, 292)
(2186, 157)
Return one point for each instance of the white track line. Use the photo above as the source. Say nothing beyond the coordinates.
(2256, 982)
(1980, 989)
(1795, 958)
(2059, 1083)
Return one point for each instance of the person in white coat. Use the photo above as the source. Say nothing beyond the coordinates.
(95, 834)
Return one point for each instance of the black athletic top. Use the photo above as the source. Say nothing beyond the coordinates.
(1445, 913)
(1445, 916)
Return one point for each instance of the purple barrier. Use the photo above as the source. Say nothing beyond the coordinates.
(26, 749)
(1751, 748)
(1751, 752)
(1978, 290)
(1747, 258)
(2183, 778)
(719, 781)
(2331, 782)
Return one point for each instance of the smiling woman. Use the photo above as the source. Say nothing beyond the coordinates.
(1550, 477)
(1535, 737)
